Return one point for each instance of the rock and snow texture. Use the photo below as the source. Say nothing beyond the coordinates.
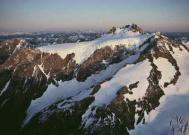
(7, 48)
(186, 43)
(5, 88)
(133, 41)
(73, 88)
(143, 92)
(172, 116)
(123, 74)
(124, 37)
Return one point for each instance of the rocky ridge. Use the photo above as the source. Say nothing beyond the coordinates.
(26, 74)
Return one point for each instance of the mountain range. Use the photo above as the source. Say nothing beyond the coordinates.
(126, 81)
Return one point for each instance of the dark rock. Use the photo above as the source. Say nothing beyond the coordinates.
(95, 62)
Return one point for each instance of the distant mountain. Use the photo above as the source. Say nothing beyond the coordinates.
(124, 82)
(38, 39)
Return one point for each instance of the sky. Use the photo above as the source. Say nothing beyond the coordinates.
(95, 15)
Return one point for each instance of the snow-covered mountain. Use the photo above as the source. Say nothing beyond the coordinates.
(125, 82)
(38, 39)
(186, 43)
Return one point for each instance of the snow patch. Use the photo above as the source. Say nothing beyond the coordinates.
(42, 70)
(5, 88)
(166, 68)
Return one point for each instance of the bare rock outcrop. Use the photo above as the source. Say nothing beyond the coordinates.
(10, 46)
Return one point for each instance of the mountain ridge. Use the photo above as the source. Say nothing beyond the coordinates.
(111, 90)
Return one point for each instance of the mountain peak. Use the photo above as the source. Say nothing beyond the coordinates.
(134, 28)
(126, 28)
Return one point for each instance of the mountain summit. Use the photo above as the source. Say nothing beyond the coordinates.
(126, 28)
(125, 82)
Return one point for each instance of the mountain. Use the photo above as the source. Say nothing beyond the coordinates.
(125, 82)
(37, 39)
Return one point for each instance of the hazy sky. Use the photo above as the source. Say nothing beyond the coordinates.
(74, 15)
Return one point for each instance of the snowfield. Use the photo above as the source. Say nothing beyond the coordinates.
(173, 105)
(167, 70)
(186, 43)
(83, 50)
(110, 88)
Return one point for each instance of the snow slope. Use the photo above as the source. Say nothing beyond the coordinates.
(72, 88)
(110, 88)
(186, 43)
(83, 50)
(131, 40)
(173, 105)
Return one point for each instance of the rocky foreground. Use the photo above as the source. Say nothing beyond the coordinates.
(116, 84)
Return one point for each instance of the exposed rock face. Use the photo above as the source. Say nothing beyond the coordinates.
(133, 28)
(27, 73)
(99, 60)
(9, 46)
(27, 62)
(112, 30)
